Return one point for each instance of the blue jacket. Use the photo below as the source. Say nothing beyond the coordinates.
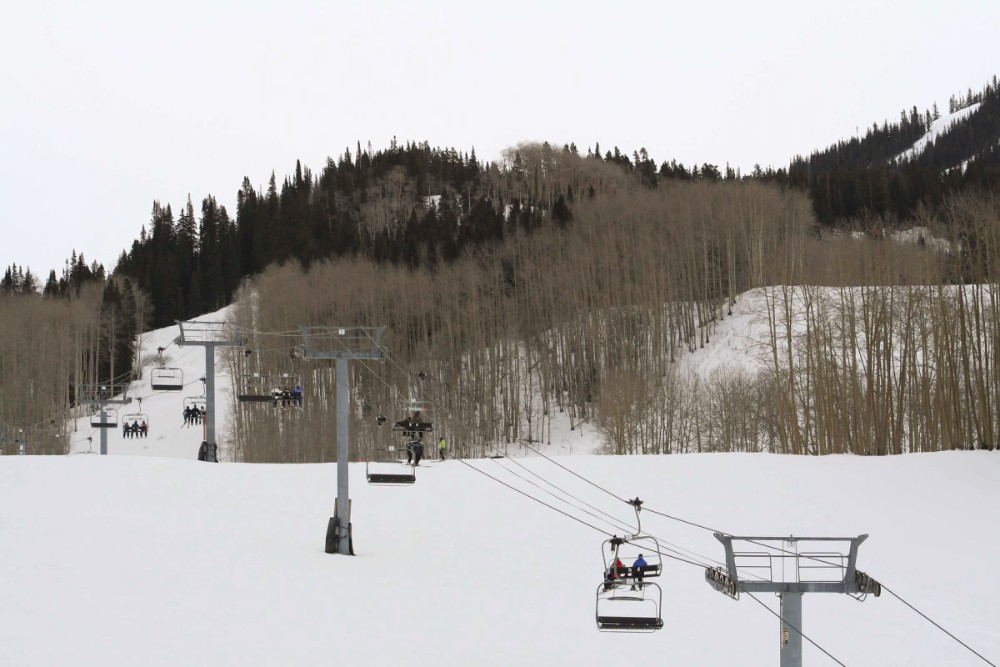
(639, 562)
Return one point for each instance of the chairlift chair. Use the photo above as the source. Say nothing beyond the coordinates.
(631, 547)
(166, 379)
(110, 419)
(194, 402)
(626, 601)
(624, 607)
(135, 417)
(261, 388)
(418, 419)
(387, 466)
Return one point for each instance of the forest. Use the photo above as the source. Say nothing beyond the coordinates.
(551, 282)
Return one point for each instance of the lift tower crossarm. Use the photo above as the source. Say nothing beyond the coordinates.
(780, 565)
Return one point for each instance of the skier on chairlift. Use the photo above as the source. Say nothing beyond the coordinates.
(637, 571)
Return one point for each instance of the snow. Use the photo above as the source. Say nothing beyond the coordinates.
(148, 557)
(938, 127)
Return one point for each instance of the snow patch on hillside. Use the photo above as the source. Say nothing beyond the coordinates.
(938, 127)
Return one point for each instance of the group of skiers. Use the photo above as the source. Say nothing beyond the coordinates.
(287, 397)
(619, 571)
(135, 429)
(193, 415)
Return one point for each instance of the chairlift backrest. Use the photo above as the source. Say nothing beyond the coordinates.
(629, 549)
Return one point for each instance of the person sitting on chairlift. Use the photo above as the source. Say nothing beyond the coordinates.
(297, 396)
(637, 571)
(616, 571)
(144, 429)
(418, 451)
(135, 429)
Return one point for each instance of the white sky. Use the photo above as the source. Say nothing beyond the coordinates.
(106, 106)
(147, 557)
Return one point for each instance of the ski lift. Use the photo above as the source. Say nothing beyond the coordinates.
(629, 607)
(110, 418)
(418, 419)
(166, 379)
(626, 601)
(195, 401)
(162, 378)
(387, 466)
(630, 548)
(284, 389)
(136, 417)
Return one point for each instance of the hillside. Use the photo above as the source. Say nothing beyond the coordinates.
(896, 171)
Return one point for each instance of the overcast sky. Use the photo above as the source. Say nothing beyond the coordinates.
(108, 106)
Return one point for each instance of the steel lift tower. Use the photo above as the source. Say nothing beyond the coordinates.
(209, 335)
(342, 344)
(791, 566)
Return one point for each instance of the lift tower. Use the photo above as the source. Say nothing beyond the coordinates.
(342, 344)
(209, 335)
(791, 566)
(102, 395)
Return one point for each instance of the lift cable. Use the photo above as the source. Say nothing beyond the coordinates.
(676, 549)
(936, 625)
(659, 552)
(612, 520)
(528, 495)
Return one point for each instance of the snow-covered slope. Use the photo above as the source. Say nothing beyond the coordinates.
(168, 436)
(123, 561)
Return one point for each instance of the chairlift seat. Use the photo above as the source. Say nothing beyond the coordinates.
(391, 478)
(383, 464)
(255, 398)
(626, 623)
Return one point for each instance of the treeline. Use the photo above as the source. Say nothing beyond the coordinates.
(409, 205)
(875, 178)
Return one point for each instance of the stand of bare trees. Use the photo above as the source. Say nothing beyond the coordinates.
(586, 321)
(48, 347)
